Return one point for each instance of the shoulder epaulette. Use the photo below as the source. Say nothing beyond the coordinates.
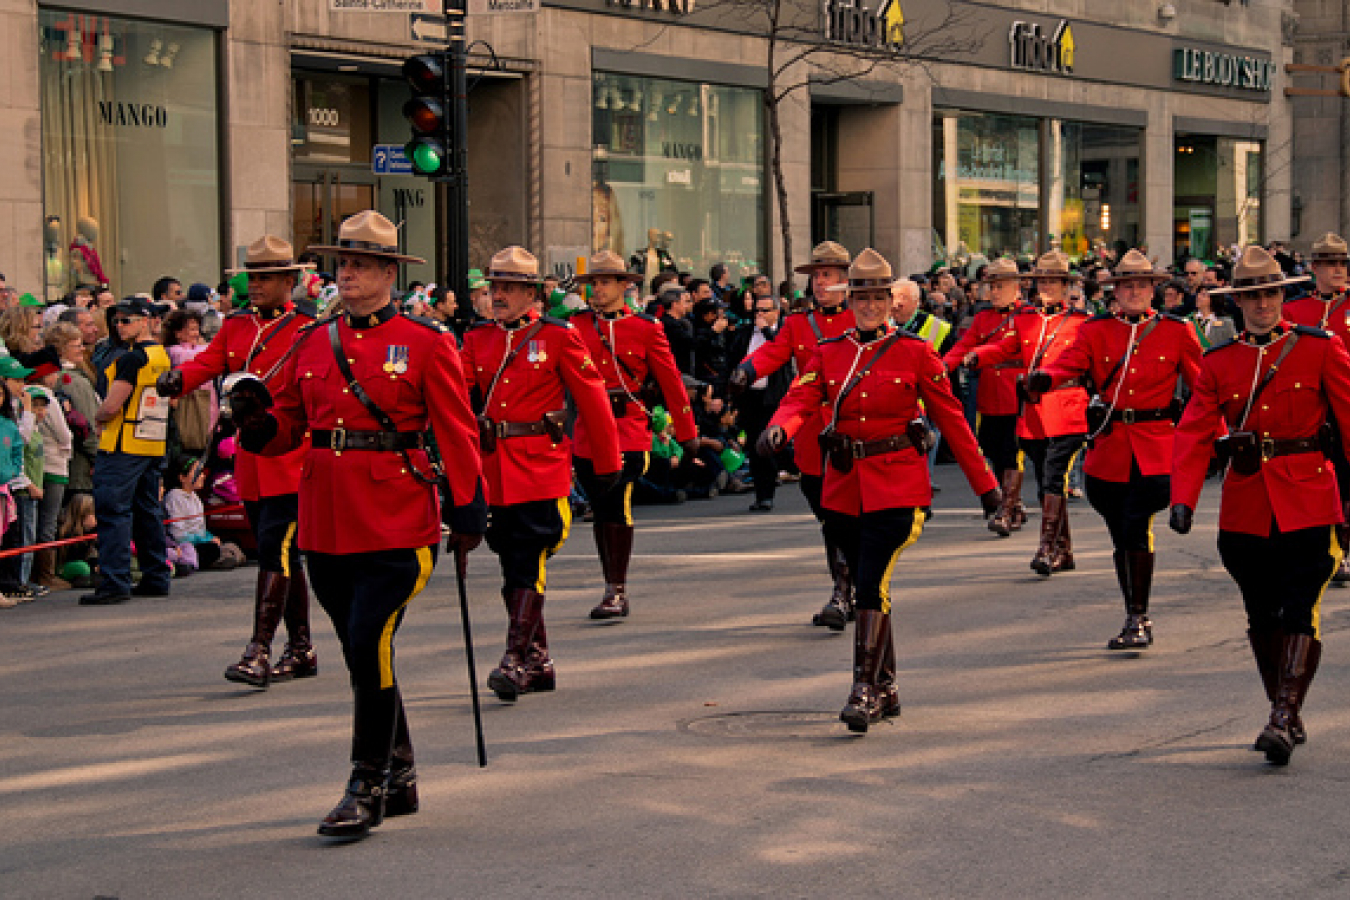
(1078, 312)
(426, 323)
(482, 324)
(1028, 309)
(240, 312)
(1311, 331)
(908, 334)
(553, 320)
(1228, 343)
(1174, 317)
(646, 317)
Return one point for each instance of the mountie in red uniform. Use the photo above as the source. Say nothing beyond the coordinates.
(1134, 361)
(997, 392)
(629, 348)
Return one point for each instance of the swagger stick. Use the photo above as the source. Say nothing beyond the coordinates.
(461, 574)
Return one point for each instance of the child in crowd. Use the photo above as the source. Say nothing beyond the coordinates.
(11, 469)
(56, 447)
(197, 547)
(656, 484)
(78, 562)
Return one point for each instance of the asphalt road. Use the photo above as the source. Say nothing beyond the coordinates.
(694, 749)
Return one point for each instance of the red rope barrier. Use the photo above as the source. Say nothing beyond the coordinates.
(80, 539)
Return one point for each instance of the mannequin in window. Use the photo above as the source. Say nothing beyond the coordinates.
(85, 265)
(51, 247)
(652, 259)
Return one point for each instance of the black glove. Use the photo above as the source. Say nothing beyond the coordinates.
(608, 481)
(689, 449)
(1181, 519)
(1038, 381)
(991, 500)
(170, 384)
(249, 402)
(771, 441)
(738, 382)
(462, 543)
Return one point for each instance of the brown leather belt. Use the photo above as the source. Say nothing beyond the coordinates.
(527, 429)
(864, 449)
(1065, 385)
(1130, 416)
(1273, 447)
(340, 439)
(1011, 365)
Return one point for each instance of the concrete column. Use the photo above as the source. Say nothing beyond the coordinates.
(1158, 178)
(258, 93)
(21, 151)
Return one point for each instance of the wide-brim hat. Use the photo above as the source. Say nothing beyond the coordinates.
(606, 263)
(269, 254)
(1054, 265)
(826, 255)
(869, 272)
(1257, 270)
(1330, 247)
(1135, 266)
(1002, 269)
(514, 264)
(370, 234)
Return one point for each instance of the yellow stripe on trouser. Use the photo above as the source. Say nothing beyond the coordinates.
(565, 512)
(1337, 554)
(628, 490)
(1150, 532)
(1021, 461)
(1068, 471)
(884, 589)
(286, 550)
(424, 565)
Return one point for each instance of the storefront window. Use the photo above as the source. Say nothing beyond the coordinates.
(331, 120)
(987, 196)
(129, 148)
(678, 174)
(1094, 196)
(1218, 194)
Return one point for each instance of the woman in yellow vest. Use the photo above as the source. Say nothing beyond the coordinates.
(134, 424)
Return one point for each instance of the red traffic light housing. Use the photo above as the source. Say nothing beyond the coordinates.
(429, 114)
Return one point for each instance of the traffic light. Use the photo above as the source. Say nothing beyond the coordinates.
(429, 113)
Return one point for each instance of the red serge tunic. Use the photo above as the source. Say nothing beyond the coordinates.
(549, 364)
(997, 394)
(248, 342)
(1330, 312)
(359, 501)
(1038, 342)
(1149, 382)
(884, 401)
(1298, 490)
(797, 341)
(640, 344)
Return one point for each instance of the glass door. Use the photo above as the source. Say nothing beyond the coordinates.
(322, 199)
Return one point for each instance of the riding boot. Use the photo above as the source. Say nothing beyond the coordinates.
(539, 668)
(1300, 656)
(511, 677)
(1002, 522)
(839, 611)
(255, 667)
(1017, 516)
(1267, 647)
(361, 808)
(1063, 561)
(298, 660)
(888, 695)
(401, 798)
(1137, 582)
(618, 542)
(869, 650)
(1052, 515)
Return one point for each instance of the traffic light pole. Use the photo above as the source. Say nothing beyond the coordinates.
(454, 250)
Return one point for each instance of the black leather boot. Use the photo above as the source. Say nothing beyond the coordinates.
(1298, 665)
(888, 695)
(1004, 521)
(1053, 515)
(617, 540)
(869, 649)
(374, 723)
(1136, 583)
(511, 678)
(361, 807)
(401, 798)
(298, 660)
(255, 667)
(1267, 649)
(839, 611)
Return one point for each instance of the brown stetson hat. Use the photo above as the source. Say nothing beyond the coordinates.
(1054, 265)
(1001, 269)
(606, 262)
(514, 264)
(1134, 266)
(369, 234)
(826, 255)
(270, 254)
(1330, 247)
(1257, 270)
(869, 272)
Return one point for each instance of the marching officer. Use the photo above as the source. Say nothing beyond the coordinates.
(367, 386)
(520, 366)
(629, 349)
(1050, 432)
(253, 340)
(1328, 308)
(1261, 402)
(1133, 357)
(871, 380)
(796, 343)
(996, 397)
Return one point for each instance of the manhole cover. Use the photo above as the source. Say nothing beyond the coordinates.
(772, 725)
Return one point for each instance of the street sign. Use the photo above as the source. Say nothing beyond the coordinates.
(389, 159)
(386, 6)
(429, 29)
(501, 7)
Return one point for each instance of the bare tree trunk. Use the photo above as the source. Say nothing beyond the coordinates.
(772, 100)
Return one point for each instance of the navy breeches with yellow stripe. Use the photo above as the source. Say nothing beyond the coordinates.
(1283, 576)
(1128, 507)
(273, 520)
(524, 536)
(872, 544)
(1051, 460)
(616, 505)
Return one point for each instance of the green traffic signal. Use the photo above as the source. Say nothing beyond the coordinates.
(426, 155)
(428, 114)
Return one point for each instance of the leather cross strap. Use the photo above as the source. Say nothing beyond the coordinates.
(1130, 351)
(815, 326)
(1269, 377)
(889, 342)
(261, 345)
(534, 329)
